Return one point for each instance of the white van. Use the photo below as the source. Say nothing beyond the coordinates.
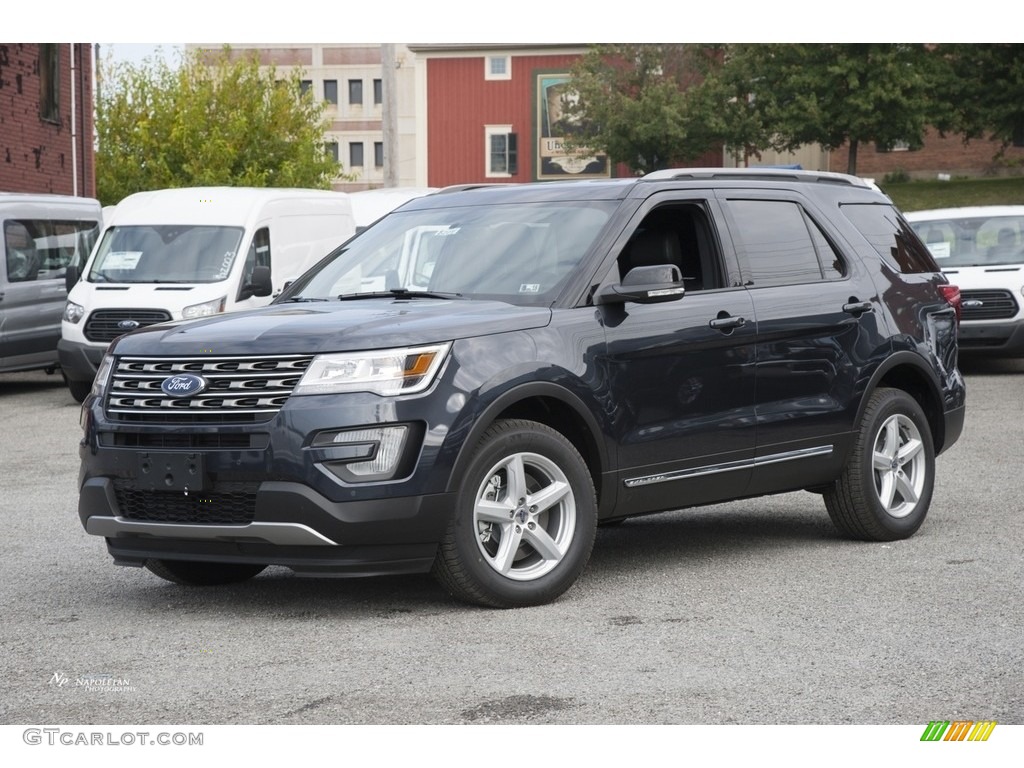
(40, 237)
(981, 250)
(370, 204)
(175, 254)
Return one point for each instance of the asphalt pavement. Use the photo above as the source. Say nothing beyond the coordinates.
(753, 612)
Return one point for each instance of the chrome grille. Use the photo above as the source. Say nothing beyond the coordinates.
(256, 387)
(103, 324)
(995, 305)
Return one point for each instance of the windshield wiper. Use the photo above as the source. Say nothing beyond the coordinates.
(399, 293)
(304, 298)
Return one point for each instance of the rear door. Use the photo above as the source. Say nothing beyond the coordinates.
(817, 332)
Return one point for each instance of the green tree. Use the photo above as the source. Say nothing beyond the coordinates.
(635, 103)
(985, 91)
(213, 120)
(830, 94)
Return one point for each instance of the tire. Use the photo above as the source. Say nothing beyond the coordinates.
(78, 389)
(199, 574)
(525, 519)
(884, 492)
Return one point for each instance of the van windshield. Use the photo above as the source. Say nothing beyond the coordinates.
(522, 253)
(981, 241)
(165, 254)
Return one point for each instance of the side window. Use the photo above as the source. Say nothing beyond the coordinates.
(891, 236)
(41, 249)
(832, 265)
(258, 255)
(781, 246)
(677, 234)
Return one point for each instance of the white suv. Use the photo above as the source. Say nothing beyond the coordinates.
(982, 250)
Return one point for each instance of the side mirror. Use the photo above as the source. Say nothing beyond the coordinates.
(645, 285)
(70, 277)
(260, 283)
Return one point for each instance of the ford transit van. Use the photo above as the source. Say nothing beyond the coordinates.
(40, 237)
(178, 254)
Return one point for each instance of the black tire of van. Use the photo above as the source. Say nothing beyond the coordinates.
(79, 389)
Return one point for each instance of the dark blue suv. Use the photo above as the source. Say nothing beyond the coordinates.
(476, 382)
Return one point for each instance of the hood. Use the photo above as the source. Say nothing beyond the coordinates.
(310, 328)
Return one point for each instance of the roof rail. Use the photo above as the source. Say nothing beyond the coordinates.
(465, 187)
(755, 174)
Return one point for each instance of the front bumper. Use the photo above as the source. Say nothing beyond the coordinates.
(267, 492)
(79, 361)
(293, 526)
(992, 339)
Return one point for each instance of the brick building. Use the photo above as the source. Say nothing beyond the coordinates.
(492, 114)
(46, 118)
(940, 154)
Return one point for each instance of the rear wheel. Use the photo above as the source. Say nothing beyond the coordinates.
(886, 488)
(198, 574)
(525, 519)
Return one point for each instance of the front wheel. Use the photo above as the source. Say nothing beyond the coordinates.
(78, 389)
(525, 519)
(198, 574)
(886, 487)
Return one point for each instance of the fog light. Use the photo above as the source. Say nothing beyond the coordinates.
(364, 455)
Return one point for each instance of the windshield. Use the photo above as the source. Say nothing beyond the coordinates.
(521, 253)
(166, 254)
(977, 241)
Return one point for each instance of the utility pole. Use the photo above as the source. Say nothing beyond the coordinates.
(389, 114)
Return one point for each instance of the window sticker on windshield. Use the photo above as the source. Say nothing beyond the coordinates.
(939, 250)
(122, 260)
(529, 288)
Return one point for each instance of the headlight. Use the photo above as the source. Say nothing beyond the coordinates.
(99, 384)
(205, 309)
(73, 312)
(384, 371)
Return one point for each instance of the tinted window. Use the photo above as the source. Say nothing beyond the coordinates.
(776, 242)
(678, 234)
(832, 265)
(891, 236)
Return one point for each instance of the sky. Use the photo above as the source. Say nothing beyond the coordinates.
(451, 21)
(137, 53)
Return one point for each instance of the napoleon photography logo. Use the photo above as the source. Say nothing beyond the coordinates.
(93, 683)
(958, 730)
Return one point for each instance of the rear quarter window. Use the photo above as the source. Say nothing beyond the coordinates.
(891, 236)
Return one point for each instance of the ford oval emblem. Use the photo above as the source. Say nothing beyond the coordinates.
(183, 385)
(128, 325)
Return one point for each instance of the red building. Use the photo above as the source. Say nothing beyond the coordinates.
(46, 118)
(493, 113)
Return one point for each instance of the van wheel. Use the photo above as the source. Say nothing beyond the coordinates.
(886, 487)
(79, 389)
(198, 574)
(525, 519)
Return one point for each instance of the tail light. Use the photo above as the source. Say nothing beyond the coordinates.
(951, 293)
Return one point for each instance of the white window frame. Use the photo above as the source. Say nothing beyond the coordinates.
(489, 74)
(489, 131)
